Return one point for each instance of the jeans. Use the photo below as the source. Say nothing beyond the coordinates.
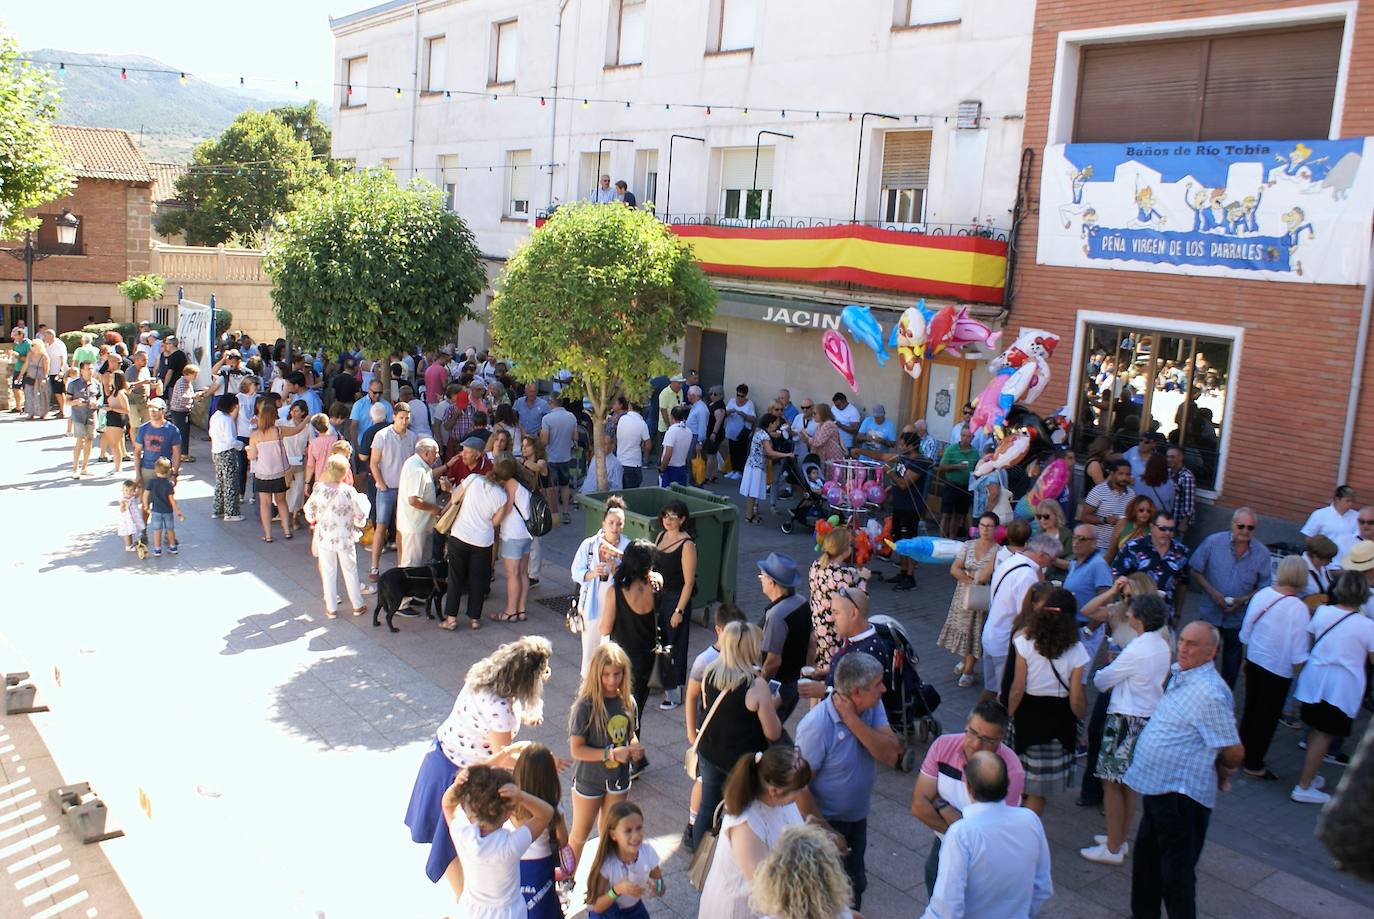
(672, 668)
(1264, 696)
(1230, 655)
(1091, 789)
(469, 571)
(712, 788)
(1173, 829)
(632, 476)
(242, 459)
(182, 420)
(855, 833)
(933, 867)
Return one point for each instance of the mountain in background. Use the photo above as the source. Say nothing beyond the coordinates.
(166, 119)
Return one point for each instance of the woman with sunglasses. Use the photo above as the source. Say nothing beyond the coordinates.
(1133, 524)
(677, 563)
(1049, 519)
(963, 628)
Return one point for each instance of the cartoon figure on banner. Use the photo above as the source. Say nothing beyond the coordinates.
(865, 329)
(1297, 165)
(1295, 221)
(837, 353)
(1020, 374)
(1208, 212)
(1089, 229)
(1078, 180)
(1146, 214)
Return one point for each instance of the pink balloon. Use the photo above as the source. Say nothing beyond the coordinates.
(837, 353)
(875, 492)
(857, 496)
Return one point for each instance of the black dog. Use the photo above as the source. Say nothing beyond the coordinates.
(423, 582)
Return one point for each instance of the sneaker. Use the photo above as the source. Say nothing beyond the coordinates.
(533, 581)
(130, 548)
(233, 518)
(1318, 782)
(668, 704)
(216, 516)
(174, 548)
(966, 680)
(1313, 795)
(1101, 840)
(157, 553)
(567, 518)
(1336, 759)
(1102, 855)
(408, 611)
(368, 590)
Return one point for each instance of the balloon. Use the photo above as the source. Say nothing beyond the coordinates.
(875, 493)
(874, 529)
(885, 539)
(833, 494)
(1020, 374)
(929, 549)
(938, 330)
(837, 353)
(834, 520)
(856, 496)
(865, 329)
(863, 549)
(969, 331)
(909, 338)
(1009, 452)
(1049, 485)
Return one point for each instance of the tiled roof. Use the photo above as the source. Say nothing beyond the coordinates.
(165, 176)
(102, 153)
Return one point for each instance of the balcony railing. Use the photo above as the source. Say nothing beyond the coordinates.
(973, 230)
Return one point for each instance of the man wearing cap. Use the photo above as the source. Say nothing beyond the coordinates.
(877, 431)
(156, 440)
(668, 399)
(230, 371)
(470, 459)
(786, 628)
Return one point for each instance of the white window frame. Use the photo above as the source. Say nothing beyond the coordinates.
(718, 16)
(430, 85)
(909, 15)
(448, 185)
(635, 56)
(1069, 51)
(358, 98)
(509, 209)
(500, 76)
(918, 218)
(1235, 333)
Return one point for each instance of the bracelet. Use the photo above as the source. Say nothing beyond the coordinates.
(612, 892)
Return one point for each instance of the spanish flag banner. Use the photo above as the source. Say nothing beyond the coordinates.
(966, 268)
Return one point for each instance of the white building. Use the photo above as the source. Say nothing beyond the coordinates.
(486, 99)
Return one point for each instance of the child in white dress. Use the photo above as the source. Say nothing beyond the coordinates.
(476, 807)
(130, 524)
(625, 871)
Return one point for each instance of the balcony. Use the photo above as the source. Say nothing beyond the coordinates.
(960, 261)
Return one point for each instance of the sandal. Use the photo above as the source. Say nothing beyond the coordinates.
(288, 535)
(520, 616)
(360, 611)
(449, 628)
(267, 539)
(505, 617)
(474, 624)
(1264, 775)
(329, 615)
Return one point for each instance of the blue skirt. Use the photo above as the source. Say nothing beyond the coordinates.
(536, 887)
(425, 815)
(638, 911)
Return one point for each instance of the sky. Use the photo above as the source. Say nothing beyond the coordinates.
(282, 40)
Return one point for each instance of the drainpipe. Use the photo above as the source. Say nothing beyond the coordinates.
(1356, 374)
(415, 92)
(553, 114)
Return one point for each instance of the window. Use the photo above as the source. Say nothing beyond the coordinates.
(448, 180)
(742, 197)
(905, 176)
(589, 177)
(504, 51)
(1221, 87)
(46, 239)
(436, 65)
(646, 171)
(392, 164)
(518, 180)
(626, 44)
(732, 24)
(355, 80)
(1136, 380)
(925, 12)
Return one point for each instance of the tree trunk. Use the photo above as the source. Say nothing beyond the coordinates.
(599, 397)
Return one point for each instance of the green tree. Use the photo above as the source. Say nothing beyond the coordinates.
(366, 263)
(258, 168)
(140, 287)
(600, 291)
(32, 168)
(305, 121)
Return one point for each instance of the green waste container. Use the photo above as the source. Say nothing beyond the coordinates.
(713, 521)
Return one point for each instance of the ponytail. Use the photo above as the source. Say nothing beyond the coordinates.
(780, 766)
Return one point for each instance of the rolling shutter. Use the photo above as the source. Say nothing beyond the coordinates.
(1149, 91)
(737, 168)
(906, 159)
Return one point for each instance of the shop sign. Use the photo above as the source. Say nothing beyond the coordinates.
(802, 319)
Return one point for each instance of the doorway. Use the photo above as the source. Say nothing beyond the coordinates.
(711, 362)
(75, 318)
(943, 389)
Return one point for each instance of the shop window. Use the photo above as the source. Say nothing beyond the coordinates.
(905, 176)
(745, 195)
(355, 82)
(1135, 381)
(1221, 87)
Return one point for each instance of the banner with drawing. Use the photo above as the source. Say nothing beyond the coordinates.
(195, 328)
(1278, 210)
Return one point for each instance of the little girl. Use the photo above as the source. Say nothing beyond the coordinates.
(625, 869)
(536, 772)
(130, 515)
(601, 737)
(476, 806)
(345, 449)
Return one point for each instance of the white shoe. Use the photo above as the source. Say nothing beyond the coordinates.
(966, 681)
(1312, 795)
(1102, 855)
(1318, 782)
(369, 589)
(1101, 840)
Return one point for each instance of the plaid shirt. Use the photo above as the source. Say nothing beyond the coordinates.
(1177, 751)
(1185, 494)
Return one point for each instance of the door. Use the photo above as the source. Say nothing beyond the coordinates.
(75, 318)
(946, 391)
(712, 363)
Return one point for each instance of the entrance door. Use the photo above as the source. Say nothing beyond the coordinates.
(74, 318)
(945, 386)
(711, 365)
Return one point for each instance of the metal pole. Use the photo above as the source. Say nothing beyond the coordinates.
(858, 160)
(614, 140)
(754, 183)
(668, 202)
(28, 281)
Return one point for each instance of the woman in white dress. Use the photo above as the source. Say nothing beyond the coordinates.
(802, 878)
(760, 802)
(476, 807)
(753, 487)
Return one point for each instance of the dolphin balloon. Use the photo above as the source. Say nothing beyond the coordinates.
(928, 549)
(865, 329)
(969, 331)
(838, 354)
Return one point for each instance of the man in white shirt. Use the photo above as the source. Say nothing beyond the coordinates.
(805, 422)
(677, 449)
(224, 450)
(420, 415)
(994, 861)
(391, 447)
(1010, 581)
(632, 441)
(57, 370)
(1336, 521)
(416, 505)
(847, 418)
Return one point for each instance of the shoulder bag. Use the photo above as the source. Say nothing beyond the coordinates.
(446, 520)
(689, 759)
(978, 597)
(700, 866)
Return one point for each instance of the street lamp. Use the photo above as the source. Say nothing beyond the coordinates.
(67, 224)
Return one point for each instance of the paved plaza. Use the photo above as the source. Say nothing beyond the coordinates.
(259, 757)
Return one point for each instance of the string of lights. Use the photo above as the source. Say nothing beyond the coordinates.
(792, 112)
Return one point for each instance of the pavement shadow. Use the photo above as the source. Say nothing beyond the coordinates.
(346, 701)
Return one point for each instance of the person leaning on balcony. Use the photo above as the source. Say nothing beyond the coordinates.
(603, 193)
(623, 194)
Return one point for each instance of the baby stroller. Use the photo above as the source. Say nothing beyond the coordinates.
(807, 476)
(910, 703)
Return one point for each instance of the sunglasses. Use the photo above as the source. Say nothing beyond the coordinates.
(1164, 529)
(1366, 521)
(1042, 517)
(1243, 526)
(1084, 538)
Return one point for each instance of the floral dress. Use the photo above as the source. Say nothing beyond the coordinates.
(338, 514)
(825, 582)
(962, 633)
(754, 482)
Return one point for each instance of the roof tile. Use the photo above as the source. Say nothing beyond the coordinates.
(102, 153)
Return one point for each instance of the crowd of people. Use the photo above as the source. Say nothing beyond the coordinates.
(788, 717)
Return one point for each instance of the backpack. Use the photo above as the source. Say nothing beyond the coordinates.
(540, 520)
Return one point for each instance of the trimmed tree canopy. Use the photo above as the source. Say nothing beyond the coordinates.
(367, 264)
(600, 290)
(32, 170)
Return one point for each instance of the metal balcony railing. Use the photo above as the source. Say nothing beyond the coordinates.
(975, 230)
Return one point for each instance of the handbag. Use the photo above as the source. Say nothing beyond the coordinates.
(450, 515)
(978, 598)
(698, 470)
(689, 759)
(700, 866)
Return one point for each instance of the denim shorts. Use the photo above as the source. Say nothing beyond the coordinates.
(560, 472)
(515, 548)
(386, 506)
(157, 521)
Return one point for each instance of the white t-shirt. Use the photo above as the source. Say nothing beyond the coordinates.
(726, 892)
(1136, 678)
(512, 525)
(679, 437)
(417, 480)
(491, 869)
(1335, 666)
(847, 415)
(223, 433)
(630, 432)
(57, 357)
(480, 504)
(735, 425)
(463, 737)
(1009, 584)
(1275, 631)
(1324, 521)
(420, 418)
(391, 450)
(615, 871)
(802, 423)
(1040, 672)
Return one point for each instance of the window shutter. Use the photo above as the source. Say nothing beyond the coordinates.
(739, 18)
(1249, 94)
(507, 37)
(1148, 91)
(906, 159)
(631, 49)
(737, 168)
(357, 81)
(520, 175)
(438, 70)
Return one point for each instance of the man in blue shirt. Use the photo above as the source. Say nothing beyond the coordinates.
(698, 415)
(1162, 557)
(1188, 750)
(843, 738)
(1229, 569)
(531, 410)
(877, 430)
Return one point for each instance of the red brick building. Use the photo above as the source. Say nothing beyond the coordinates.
(1280, 356)
(112, 199)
